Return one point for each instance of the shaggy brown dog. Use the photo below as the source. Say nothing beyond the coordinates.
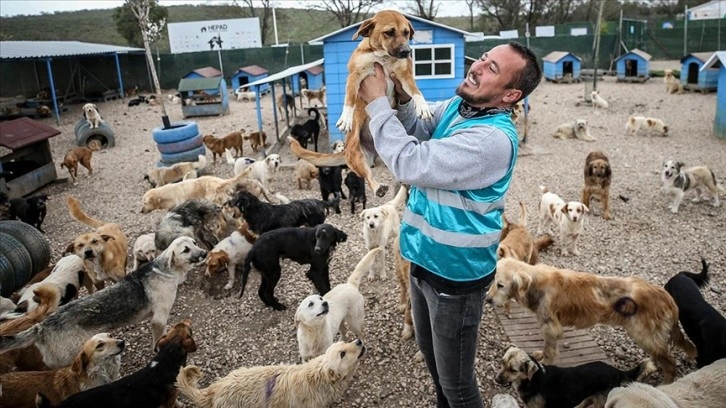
(258, 140)
(219, 145)
(78, 155)
(562, 297)
(597, 181)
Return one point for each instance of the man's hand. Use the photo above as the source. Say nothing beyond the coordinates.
(375, 86)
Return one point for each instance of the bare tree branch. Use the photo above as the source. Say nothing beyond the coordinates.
(265, 15)
(471, 4)
(425, 8)
(348, 11)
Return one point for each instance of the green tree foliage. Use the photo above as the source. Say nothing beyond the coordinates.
(128, 26)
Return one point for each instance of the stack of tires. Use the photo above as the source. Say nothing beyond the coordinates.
(182, 142)
(85, 134)
(24, 251)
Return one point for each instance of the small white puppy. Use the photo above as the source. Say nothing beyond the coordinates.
(598, 101)
(677, 181)
(262, 170)
(636, 122)
(381, 223)
(92, 116)
(338, 147)
(320, 318)
(144, 250)
(229, 252)
(568, 218)
(67, 275)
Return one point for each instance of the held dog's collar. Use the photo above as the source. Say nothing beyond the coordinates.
(467, 111)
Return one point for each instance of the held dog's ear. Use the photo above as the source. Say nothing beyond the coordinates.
(366, 29)
(411, 31)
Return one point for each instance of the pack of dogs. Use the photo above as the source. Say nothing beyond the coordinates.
(55, 346)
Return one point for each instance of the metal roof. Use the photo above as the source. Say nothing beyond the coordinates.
(207, 72)
(718, 56)
(408, 16)
(49, 49)
(284, 73)
(555, 56)
(701, 56)
(642, 54)
(254, 70)
(196, 84)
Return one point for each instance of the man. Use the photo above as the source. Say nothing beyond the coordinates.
(460, 166)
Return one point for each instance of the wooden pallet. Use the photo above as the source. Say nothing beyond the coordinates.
(576, 346)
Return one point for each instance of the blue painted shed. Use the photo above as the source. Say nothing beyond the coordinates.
(206, 72)
(200, 105)
(633, 66)
(314, 77)
(562, 66)
(438, 58)
(691, 75)
(718, 61)
(248, 74)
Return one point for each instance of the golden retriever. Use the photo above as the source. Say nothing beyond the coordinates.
(385, 41)
(219, 144)
(563, 297)
(103, 250)
(96, 364)
(318, 383)
(160, 176)
(597, 181)
(672, 84)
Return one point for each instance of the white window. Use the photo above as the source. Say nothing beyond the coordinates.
(433, 61)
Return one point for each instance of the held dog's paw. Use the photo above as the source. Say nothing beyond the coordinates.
(422, 108)
(345, 122)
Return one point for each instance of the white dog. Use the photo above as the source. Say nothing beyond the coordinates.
(262, 170)
(144, 250)
(244, 95)
(574, 130)
(67, 275)
(568, 218)
(338, 147)
(381, 223)
(92, 116)
(636, 122)
(677, 181)
(320, 318)
(598, 101)
(229, 252)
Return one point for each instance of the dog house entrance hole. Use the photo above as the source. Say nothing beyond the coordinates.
(567, 68)
(631, 68)
(693, 73)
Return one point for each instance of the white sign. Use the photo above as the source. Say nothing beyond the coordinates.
(213, 35)
(509, 34)
(544, 31)
(578, 31)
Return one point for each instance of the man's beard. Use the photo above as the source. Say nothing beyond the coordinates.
(470, 99)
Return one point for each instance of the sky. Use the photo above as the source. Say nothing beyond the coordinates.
(34, 7)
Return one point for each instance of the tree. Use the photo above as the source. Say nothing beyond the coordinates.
(265, 15)
(141, 9)
(470, 4)
(128, 25)
(348, 11)
(505, 12)
(425, 9)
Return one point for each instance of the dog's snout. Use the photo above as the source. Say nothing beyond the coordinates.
(88, 253)
(403, 52)
(358, 342)
(318, 250)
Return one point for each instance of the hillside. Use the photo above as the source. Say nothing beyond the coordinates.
(293, 25)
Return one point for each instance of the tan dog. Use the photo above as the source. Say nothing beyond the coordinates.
(672, 84)
(92, 116)
(75, 156)
(304, 173)
(636, 123)
(562, 297)
(574, 130)
(43, 111)
(311, 94)
(144, 250)
(316, 384)
(597, 101)
(286, 102)
(567, 217)
(385, 41)
(403, 271)
(96, 364)
(258, 140)
(160, 176)
(219, 145)
(597, 181)
(103, 250)
(379, 224)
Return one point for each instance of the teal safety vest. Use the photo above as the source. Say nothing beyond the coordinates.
(455, 233)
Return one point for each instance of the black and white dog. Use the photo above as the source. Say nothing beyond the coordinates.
(703, 324)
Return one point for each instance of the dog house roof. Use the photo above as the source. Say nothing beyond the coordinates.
(716, 60)
(555, 56)
(196, 84)
(45, 49)
(17, 133)
(316, 70)
(701, 56)
(253, 70)
(207, 72)
(642, 54)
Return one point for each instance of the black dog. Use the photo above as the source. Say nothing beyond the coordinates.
(151, 386)
(356, 190)
(136, 102)
(262, 217)
(29, 210)
(703, 324)
(305, 245)
(331, 181)
(4, 207)
(308, 130)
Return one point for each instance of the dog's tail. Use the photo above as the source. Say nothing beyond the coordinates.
(317, 114)
(543, 189)
(400, 197)
(719, 187)
(20, 340)
(543, 242)
(701, 279)
(74, 208)
(364, 265)
(639, 372)
(187, 381)
(229, 157)
(202, 163)
(246, 267)
(522, 214)
(318, 159)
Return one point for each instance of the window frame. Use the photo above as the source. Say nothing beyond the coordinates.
(432, 62)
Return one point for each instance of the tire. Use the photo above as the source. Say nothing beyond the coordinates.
(178, 132)
(103, 133)
(34, 241)
(180, 147)
(7, 276)
(188, 156)
(19, 258)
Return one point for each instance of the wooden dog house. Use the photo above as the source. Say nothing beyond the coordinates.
(29, 159)
(204, 96)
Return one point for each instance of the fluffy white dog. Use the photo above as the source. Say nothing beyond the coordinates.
(380, 223)
(263, 170)
(598, 101)
(144, 250)
(568, 218)
(92, 116)
(574, 130)
(636, 122)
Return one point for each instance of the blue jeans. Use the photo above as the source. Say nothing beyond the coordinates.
(446, 328)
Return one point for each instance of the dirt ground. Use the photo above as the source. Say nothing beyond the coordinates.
(644, 239)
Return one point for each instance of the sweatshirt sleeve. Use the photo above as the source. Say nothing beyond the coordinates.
(414, 126)
(469, 159)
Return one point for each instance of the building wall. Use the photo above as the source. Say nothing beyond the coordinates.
(719, 123)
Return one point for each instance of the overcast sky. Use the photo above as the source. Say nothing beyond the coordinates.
(16, 7)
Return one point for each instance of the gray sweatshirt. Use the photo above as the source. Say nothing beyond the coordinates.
(471, 158)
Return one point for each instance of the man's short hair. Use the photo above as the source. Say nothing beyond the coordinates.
(530, 76)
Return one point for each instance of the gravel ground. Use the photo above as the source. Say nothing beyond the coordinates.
(644, 239)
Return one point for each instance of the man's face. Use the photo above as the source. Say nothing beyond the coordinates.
(486, 84)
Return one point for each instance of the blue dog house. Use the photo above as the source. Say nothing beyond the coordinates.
(718, 61)
(562, 66)
(693, 78)
(438, 58)
(314, 77)
(206, 72)
(248, 74)
(633, 66)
